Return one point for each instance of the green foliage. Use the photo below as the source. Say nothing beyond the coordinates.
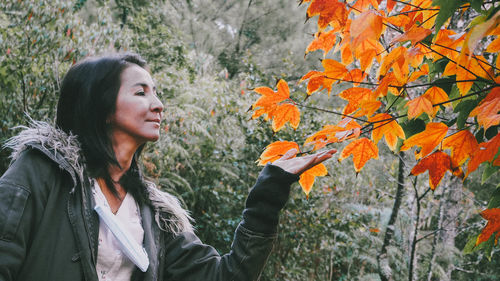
(447, 9)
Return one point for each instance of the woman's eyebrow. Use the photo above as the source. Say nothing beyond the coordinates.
(144, 85)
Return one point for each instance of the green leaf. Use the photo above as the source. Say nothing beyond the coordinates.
(488, 246)
(488, 171)
(476, 5)
(447, 8)
(454, 94)
(412, 127)
(491, 132)
(495, 199)
(451, 122)
(438, 67)
(445, 84)
(464, 109)
(470, 247)
(393, 103)
(479, 135)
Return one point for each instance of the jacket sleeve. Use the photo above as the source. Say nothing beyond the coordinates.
(18, 211)
(187, 258)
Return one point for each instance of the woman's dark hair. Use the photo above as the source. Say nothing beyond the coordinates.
(87, 100)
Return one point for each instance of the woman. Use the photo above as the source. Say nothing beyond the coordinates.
(49, 230)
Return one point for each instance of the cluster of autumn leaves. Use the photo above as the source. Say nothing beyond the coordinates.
(389, 51)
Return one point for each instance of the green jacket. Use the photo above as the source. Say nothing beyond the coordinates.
(49, 231)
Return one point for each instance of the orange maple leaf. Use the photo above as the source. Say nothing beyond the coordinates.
(355, 96)
(346, 52)
(493, 217)
(416, 55)
(464, 73)
(387, 84)
(285, 113)
(436, 95)
(267, 110)
(366, 51)
(424, 70)
(307, 178)
(398, 20)
(323, 41)
(334, 69)
(334, 133)
(437, 164)
(360, 5)
(428, 139)
(429, 17)
(462, 145)
(487, 110)
(317, 82)
(389, 129)
(446, 44)
(468, 69)
(330, 12)
(368, 25)
(419, 105)
(270, 97)
(275, 151)
(367, 108)
(390, 5)
(414, 34)
(362, 150)
(355, 75)
(397, 60)
(494, 46)
(485, 152)
(320, 138)
(450, 69)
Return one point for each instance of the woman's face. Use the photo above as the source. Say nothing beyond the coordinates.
(138, 110)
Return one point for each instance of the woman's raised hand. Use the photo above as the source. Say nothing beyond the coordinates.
(298, 165)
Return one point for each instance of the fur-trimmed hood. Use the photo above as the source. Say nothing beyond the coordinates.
(65, 150)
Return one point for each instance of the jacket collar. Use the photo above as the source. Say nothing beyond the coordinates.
(65, 150)
(62, 148)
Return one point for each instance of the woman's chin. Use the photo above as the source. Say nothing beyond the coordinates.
(154, 138)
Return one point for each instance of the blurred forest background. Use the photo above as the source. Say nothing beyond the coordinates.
(205, 57)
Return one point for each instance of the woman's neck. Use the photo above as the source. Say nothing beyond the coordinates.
(124, 153)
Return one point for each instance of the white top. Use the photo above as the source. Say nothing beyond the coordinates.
(112, 264)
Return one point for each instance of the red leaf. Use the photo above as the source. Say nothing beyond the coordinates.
(485, 152)
(493, 225)
(437, 164)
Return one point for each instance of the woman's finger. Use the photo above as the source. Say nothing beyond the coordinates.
(322, 156)
(289, 154)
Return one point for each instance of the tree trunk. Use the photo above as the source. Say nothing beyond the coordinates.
(436, 239)
(384, 270)
(452, 210)
(413, 250)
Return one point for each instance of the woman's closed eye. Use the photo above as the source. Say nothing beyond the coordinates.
(140, 93)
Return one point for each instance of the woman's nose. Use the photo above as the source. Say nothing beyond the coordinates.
(156, 104)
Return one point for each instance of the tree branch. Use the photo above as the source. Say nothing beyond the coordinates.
(330, 111)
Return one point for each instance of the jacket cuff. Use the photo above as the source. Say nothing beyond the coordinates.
(266, 199)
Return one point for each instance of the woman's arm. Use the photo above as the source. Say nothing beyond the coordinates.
(187, 258)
